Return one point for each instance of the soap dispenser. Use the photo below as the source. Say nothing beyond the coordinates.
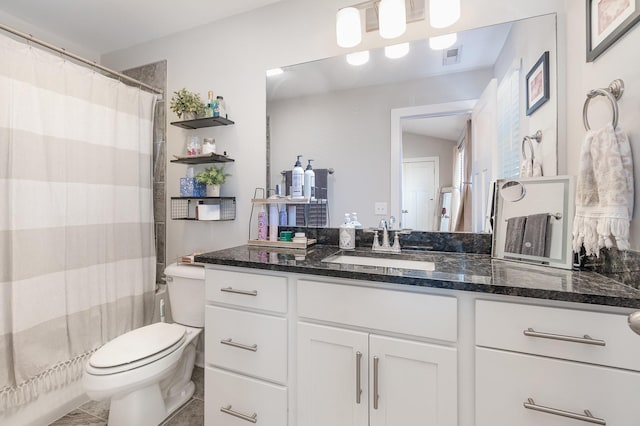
(347, 240)
(297, 177)
(309, 182)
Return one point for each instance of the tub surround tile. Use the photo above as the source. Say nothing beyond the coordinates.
(456, 271)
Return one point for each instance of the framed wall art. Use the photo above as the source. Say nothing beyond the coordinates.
(538, 84)
(607, 21)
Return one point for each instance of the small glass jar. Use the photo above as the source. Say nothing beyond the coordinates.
(209, 146)
(193, 146)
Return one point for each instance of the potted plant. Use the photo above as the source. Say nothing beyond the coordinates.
(213, 177)
(187, 104)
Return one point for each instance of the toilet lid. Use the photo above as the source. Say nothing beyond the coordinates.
(137, 344)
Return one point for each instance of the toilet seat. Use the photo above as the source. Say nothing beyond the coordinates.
(137, 348)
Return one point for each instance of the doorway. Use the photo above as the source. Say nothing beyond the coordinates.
(420, 182)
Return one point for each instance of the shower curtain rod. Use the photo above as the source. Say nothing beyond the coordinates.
(80, 59)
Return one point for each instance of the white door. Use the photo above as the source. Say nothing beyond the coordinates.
(483, 141)
(420, 178)
(332, 376)
(416, 383)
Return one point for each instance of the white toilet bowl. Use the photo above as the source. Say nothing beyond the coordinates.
(146, 373)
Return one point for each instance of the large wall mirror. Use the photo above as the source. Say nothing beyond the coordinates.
(392, 129)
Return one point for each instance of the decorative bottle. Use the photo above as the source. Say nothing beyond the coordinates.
(208, 110)
(347, 234)
(262, 223)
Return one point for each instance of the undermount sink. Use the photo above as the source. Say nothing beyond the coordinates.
(416, 265)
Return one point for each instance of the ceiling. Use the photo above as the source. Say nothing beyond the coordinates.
(104, 26)
(448, 127)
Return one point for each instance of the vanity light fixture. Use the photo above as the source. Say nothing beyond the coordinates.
(274, 71)
(443, 13)
(396, 51)
(392, 15)
(358, 58)
(443, 42)
(348, 27)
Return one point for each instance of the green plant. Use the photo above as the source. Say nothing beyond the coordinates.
(212, 176)
(185, 101)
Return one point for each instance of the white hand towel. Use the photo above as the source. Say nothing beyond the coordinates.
(604, 193)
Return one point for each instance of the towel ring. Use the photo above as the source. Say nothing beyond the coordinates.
(537, 136)
(613, 92)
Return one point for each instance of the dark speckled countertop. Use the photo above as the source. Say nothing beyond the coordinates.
(456, 271)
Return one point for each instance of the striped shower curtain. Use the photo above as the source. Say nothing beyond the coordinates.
(77, 256)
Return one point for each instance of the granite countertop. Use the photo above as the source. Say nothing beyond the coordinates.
(456, 271)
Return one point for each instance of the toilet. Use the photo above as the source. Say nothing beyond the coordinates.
(146, 373)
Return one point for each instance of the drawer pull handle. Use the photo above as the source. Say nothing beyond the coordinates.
(358, 376)
(586, 417)
(376, 361)
(227, 410)
(236, 291)
(586, 339)
(229, 342)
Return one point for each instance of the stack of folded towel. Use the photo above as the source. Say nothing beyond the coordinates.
(527, 235)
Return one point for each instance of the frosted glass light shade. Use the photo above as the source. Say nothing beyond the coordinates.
(443, 13)
(358, 58)
(348, 27)
(396, 51)
(443, 42)
(393, 18)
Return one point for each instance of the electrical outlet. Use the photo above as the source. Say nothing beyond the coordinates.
(380, 208)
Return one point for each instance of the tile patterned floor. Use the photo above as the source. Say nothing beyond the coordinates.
(96, 413)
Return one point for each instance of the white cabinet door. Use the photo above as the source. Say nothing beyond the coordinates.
(416, 383)
(331, 362)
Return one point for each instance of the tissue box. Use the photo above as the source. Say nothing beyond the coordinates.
(190, 188)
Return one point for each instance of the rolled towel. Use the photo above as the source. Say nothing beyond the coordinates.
(515, 234)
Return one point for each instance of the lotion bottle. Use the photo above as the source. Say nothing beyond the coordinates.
(297, 177)
(309, 182)
(262, 223)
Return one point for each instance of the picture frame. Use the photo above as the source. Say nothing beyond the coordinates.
(537, 82)
(607, 21)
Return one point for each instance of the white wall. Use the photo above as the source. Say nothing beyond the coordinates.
(230, 57)
(425, 146)
(620, 61)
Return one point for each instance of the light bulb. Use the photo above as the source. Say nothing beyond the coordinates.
(392, 19)
(348, 27)
(443, 13)
(396, 51)
(443, 42)
(358, 58)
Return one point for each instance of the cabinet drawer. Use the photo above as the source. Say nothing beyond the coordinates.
(245, 342)
(395, 311)
(244, 289)
(502, 325)
(505, 381)
(228, 394)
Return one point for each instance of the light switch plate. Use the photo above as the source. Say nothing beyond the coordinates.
(380, 208)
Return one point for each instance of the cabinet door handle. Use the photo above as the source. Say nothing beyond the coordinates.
(586, 417)
(358, 376)
(236, 291)
(376, 360)
(229, 342)
(227, 410)
(586, 339)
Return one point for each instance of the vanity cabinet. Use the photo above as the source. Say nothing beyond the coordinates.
(546, 365)
(246, 357)
(374, 377)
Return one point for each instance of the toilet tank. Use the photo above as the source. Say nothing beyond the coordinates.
(185, 284)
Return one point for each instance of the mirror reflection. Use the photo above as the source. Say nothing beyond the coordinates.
(403, 135)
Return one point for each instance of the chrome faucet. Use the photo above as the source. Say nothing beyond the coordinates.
(386, 226)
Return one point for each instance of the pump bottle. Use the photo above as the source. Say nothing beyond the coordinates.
(297, 177)
(309, 182)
